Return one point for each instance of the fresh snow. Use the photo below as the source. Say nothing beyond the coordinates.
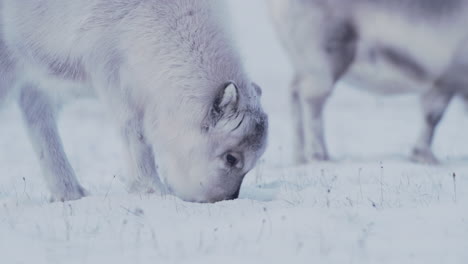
(369, 205)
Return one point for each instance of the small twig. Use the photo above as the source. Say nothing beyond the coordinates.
(454, 176)
(66, 220)
(381, 184)
(110, 186)
(260, 235)
(373, 203)
(24, 188)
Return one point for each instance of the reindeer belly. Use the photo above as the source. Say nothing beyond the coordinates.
(400, 53)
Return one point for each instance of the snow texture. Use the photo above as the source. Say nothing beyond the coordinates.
(369, 205)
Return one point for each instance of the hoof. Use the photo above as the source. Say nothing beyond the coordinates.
(147, 188)
(70, 195)
(424, 157)
(320, 157)
(311, 158)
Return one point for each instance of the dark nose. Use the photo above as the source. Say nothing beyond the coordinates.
(234, 195)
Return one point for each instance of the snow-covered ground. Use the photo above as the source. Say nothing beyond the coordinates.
(370, 205)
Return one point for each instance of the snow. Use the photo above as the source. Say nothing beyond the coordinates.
(369, 205)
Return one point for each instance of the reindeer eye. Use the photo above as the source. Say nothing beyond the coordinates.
(231, 160)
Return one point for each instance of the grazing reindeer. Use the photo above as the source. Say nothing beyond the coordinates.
(190, 118)
(387, 45)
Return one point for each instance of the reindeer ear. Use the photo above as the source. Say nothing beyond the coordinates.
(257, 88)
(227, 100)
(224, 106)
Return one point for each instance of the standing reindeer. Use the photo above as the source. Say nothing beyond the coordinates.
(190, 117)
(387, 45)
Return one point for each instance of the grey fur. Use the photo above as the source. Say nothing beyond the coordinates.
(385, 45)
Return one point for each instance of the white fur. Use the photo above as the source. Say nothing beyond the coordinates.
(158, 64)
